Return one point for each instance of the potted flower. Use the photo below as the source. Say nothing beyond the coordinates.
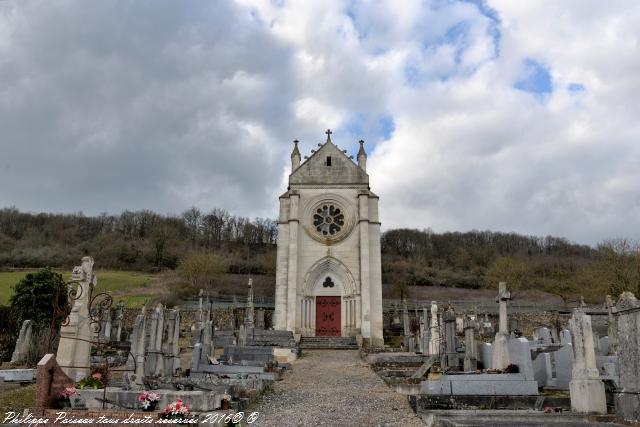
(64, 397)
(148, 400)
(92, 381)
(176, 410)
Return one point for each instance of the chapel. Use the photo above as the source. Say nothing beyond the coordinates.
(328, 278)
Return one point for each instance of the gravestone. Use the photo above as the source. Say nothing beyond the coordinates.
(520, 355)
(485, 355)
(424, 331)
(171, 347)
(138, 340)
(249, 313)
(196, 328)
(260, 324)
(542, 335)
(460, 324)
(434, 340)
(119, 319)
(486, 328)
(628, 346)
(564, 361)
(450, 356)
(21, 351)
(470, 345)
(106, 330)
(76, 334)
(501, 341)
(206, 342)
(543, 370)
(586, 388)
(154, 364)
(406, 327)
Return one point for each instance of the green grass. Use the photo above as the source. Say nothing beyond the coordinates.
(17, 399)
(131, 286)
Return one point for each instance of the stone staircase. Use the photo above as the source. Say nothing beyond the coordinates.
(336, 343)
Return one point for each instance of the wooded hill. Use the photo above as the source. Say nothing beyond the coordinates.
(144, 240)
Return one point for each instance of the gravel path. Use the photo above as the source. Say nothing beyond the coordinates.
(333, 388)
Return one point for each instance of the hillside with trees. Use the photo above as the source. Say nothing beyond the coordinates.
(205, 249)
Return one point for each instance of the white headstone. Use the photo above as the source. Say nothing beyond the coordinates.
(587, 390)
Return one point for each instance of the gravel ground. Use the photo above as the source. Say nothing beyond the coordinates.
(333, 388)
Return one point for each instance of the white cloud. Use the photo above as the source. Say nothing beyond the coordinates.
(164, 106)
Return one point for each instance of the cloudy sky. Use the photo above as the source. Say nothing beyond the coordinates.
(499, 114)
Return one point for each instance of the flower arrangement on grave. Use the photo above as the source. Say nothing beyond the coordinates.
(149, 400)
(65, 395)
(176, 410)
(92, 381)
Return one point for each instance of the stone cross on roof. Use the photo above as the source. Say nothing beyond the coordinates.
(328, 132)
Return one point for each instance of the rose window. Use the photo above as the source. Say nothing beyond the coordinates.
(328, 220)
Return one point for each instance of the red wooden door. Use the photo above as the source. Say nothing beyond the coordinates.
(328, 317)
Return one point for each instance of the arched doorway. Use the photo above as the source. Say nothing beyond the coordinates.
(330, 305)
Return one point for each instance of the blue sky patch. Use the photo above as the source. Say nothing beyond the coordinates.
(575, 87)
(536, 78)
(371, 129)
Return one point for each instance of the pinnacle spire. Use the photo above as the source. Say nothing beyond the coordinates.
(362, 156)
(296, 151)
(295, 156)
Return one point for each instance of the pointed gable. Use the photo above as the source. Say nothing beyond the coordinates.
(329, 166)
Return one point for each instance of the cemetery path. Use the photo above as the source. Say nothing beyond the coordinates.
(334, 388)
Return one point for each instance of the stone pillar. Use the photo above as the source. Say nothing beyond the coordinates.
(612, 327)
(450, 357)
(292, 273)
(434, 342)
(249, 314)
(375, 274)
(628, 348)
(21, 351)
(470, 345)
(501, 341)
(76, 335)
(279, 321)
(587, 391)
(363, 225)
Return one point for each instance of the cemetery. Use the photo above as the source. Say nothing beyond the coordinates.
(454, 368)
(440, 362)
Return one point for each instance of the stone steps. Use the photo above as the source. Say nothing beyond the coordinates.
(336, 343)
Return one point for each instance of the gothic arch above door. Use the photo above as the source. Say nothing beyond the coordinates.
(329, 276)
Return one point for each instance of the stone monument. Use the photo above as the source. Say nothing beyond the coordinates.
(76, 334)
(586, 388)
(21, 351)
(501, 341)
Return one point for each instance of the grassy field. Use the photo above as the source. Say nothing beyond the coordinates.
(133, 287)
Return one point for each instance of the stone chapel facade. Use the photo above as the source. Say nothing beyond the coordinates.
(328, 278)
